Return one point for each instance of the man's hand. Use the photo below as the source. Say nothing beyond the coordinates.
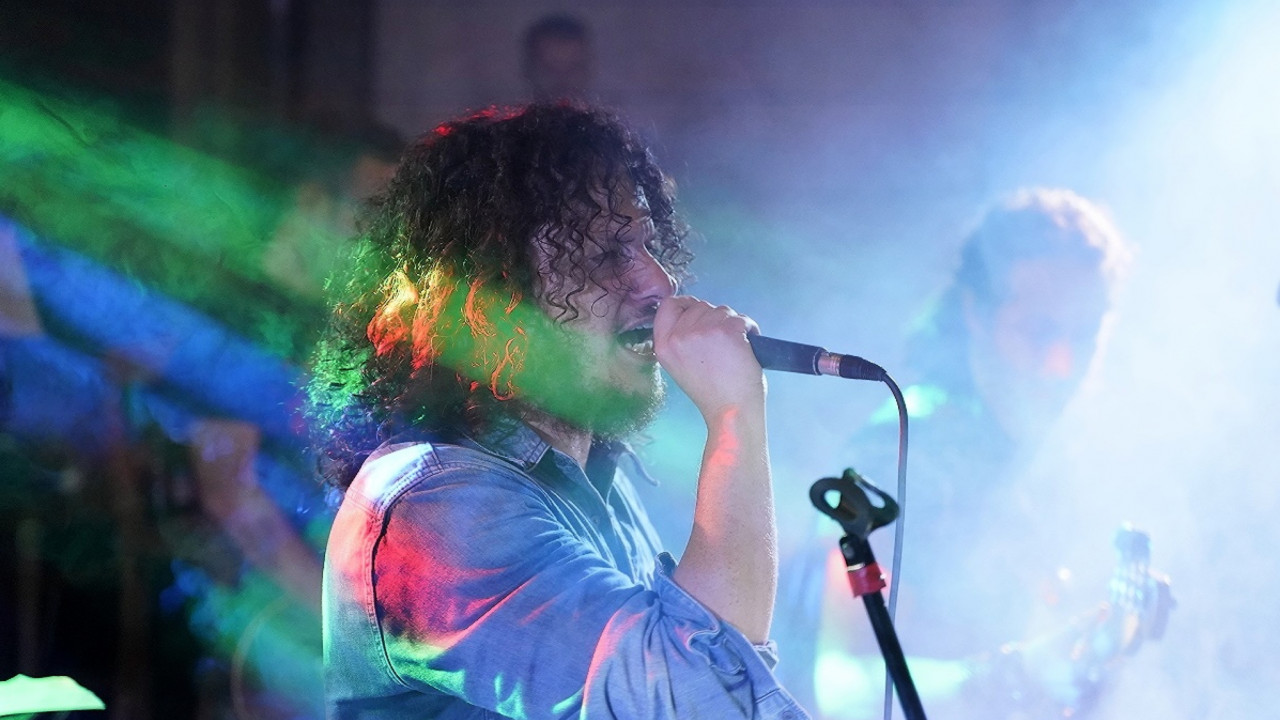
(704, 349)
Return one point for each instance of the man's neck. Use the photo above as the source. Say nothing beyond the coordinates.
(568, 439)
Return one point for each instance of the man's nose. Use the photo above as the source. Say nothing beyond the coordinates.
(649, 279)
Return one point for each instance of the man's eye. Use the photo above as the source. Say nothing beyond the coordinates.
(615, 255)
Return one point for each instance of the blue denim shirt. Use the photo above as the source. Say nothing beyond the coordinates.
(492, 577)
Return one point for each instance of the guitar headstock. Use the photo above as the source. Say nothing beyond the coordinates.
(1139, 595)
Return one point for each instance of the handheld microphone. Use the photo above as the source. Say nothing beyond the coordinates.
(811, 360)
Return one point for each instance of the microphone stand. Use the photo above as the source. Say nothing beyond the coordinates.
(858, 516)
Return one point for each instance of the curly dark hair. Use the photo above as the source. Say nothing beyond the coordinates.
(428, 326)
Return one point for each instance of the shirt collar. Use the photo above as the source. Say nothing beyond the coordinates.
(510, 439)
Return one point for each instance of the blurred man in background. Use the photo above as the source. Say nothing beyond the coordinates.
(995, 361)
(559, 60)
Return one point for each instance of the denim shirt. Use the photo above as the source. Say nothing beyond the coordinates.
(492, 577)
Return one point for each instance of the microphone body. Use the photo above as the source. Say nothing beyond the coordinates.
(787, 356)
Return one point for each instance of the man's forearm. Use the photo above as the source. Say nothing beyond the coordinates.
(731, 561)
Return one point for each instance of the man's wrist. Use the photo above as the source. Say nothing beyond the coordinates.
(735, 416)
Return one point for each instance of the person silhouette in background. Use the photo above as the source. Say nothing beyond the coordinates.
(308, 242)
(559, 59)
(994, 362)
(276, 583)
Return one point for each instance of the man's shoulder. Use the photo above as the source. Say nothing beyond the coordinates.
(398, 469)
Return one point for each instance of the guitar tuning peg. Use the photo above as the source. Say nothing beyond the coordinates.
(1133, 545)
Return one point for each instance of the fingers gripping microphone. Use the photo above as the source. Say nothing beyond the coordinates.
(811, 360)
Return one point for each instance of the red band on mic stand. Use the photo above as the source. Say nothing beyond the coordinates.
(866, 579)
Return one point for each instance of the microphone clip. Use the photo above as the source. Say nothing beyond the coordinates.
(853, 508)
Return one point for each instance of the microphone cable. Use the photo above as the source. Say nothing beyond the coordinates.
(899, 531)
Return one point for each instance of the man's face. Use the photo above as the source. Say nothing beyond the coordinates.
(560, 68)
(1030, 352)
(610, 322)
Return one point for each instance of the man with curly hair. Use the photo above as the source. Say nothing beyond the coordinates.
(499, 336)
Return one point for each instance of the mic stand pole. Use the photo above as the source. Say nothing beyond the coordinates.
(858, 516)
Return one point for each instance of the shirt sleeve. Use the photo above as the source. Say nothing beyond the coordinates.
(483, 593)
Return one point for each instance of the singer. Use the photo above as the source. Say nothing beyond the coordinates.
(496, 341)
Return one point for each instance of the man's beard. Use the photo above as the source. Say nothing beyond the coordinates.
(617, 414)
(601, 404)
(568, 385)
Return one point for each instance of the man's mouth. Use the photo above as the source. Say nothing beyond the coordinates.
(638, 340)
